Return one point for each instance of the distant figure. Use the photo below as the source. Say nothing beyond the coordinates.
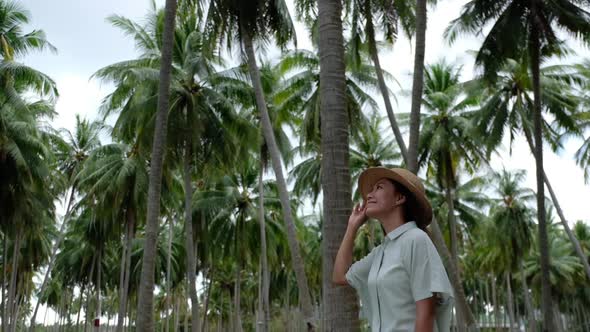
(402, 283)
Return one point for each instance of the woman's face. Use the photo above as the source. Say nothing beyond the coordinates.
(383, 199)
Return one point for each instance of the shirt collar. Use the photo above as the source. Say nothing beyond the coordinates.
(394, 234)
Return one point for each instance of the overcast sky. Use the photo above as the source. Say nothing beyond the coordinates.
(86, 42)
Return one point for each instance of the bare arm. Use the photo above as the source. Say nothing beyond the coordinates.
(344, 256)
(425, 312)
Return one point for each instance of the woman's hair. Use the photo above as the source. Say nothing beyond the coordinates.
(410, 205)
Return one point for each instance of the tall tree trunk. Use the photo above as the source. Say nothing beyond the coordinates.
(510, 302)
(10, 305)
(264, 307)
(566, 227)
(453, 272)
(237, 298)
(98, 280)
(496, 305)
(88, 297)
(56, 245)
(340, 303)
(168, 268)
(80, 308)
(177, 315)
(207, 299)
(417, 89)
(190, 242)
(527, 300)
(145, 303)
(298, 267)
(534, 49)
(5, 283)
(417, 84)
(123, 297)
(461, 323)
(370, 31)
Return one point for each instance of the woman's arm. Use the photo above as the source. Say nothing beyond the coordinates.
(425, 312)
(344, 256)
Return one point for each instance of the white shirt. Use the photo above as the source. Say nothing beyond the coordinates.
(402, 270)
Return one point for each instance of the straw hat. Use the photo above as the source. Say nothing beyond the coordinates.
(421, 209)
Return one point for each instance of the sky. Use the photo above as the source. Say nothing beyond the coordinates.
(86, 42)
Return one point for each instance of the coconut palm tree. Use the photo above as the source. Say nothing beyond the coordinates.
(119, 172)
(145, 305)
(232, 205)
(534, 24)
(72, 151)
(258, 21)
(300, 91)
(512, 111)
(391, 17)
(446, 145)
(513, 224)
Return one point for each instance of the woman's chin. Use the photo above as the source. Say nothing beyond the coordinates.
(370, 213)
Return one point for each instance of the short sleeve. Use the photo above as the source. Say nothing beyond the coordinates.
(426, 271)
(358, 273)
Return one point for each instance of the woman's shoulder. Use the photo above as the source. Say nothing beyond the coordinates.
(415, 234)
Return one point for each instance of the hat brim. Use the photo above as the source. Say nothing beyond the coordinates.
(367, 179)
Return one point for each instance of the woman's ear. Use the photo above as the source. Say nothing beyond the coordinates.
(401, 199)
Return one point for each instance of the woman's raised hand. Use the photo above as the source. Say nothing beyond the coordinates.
(358, 216)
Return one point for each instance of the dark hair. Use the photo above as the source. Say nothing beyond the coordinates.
(410, 205)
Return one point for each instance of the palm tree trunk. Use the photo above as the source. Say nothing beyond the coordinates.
(237, 298)
(453, 272)
(10, 305)
(4, 283)
(510, 302)
(53, 256)
(340, 304)
(496, 305)
(489, 301)
(461, 323)
(207, 299)
(80, 308)
(527, 300)
(417, 84)
(98, 280)
(87, 311)
(570, 234)
(298, 267)
(123, 297)
(176, 315)
(370, 31)
(122, 280)
(145, 303)
(534, 49)
(264, 307)
(190, 242)
(168, 268)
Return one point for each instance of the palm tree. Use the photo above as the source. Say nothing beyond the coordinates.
(72, 151)
(145, 319)
(446, 145)
(340, 308)
(391, 17)
(513, 223)
(232, 205)
(259, 20)
(300, 91)
(14, 42)
(532, 23)
(417, 86)
(119, 172)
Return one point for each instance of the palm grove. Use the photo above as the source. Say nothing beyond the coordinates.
(200, 211)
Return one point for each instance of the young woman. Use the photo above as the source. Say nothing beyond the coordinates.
(402, 283)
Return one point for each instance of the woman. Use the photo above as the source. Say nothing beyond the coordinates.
(402, 283)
